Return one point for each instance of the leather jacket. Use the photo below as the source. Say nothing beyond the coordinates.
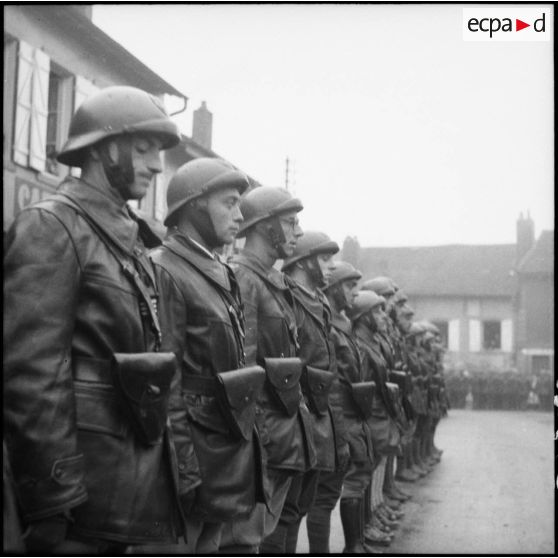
(349, 368)
(385, 433)
(316, 350)
(271, 333)
(202, 324)
(68, 308)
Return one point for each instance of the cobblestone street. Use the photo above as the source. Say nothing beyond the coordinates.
(492, 493)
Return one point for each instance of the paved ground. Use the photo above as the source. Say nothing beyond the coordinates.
(493, 492)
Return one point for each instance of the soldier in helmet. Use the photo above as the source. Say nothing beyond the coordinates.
(85, 382)
(213, 401)
(419, 370)
(355, 397)
(369, 318)
(398, 379)
(272, 231)
(317, 492)
(402, 317)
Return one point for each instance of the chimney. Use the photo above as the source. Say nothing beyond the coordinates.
(201, 126)
(525, 236)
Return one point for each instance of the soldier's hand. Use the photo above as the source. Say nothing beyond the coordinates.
(45, 534)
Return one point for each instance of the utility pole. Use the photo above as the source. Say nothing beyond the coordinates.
(287, 173)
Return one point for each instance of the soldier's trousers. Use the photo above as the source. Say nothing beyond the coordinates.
(251, 530)
(300, 498)
(357, 479)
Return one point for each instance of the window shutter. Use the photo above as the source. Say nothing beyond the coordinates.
(83, 88)
(507, 336)
(453, 335)
(23, 103)
(474, 335)
(39, 111)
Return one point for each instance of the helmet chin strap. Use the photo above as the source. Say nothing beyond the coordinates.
(199, 217)
(337, 295)
(119, 173)
(312, 268)
(276, 236)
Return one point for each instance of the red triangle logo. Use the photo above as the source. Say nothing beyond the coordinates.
(519, 25)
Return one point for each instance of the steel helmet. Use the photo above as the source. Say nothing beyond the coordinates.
(311, 243)
(113, 111)
(343, 271)
(383, 286)
(416, 329)
(264, 202)
(364, 301)
(429, 326)
(199, 177)
(400, 298)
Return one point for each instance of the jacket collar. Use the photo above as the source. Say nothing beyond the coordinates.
(200, 258)
(341, 322)
(112, 215)
(271, 275)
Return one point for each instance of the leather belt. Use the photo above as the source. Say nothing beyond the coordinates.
(92, 370)
(199, 385)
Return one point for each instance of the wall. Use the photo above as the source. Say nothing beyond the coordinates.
(465, 317)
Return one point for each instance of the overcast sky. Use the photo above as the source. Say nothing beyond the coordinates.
(399, 131)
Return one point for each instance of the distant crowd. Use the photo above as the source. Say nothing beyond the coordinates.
(509, 390)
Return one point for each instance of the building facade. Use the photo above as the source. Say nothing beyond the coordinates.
(54, 58)
(493, 304)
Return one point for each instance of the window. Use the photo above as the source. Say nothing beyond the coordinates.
(31, 107)
(443, 326)
(491, 335)
(42, 110)
(58, 117)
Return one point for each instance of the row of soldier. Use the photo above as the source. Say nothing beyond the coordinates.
(154, 394)
(510, 390)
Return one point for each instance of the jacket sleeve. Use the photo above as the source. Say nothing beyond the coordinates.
(172, 316)
(41, 286)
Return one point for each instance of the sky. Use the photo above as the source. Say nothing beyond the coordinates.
(398, 131)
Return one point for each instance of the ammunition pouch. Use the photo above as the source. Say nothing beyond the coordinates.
(283, 377)
(402, 380)
(363, 395)
(237, 393)
(317, 385)
(393, 392)
(144, 381)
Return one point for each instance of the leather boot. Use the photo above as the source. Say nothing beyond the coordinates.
(408, 475)
(318, 527)
(380, 526)
(392, 495)
(291, 539)
(400, 492)
(373, 536)
(397, 514)
(390, 503)
(352, 521)
(417, 461)
(385, 519)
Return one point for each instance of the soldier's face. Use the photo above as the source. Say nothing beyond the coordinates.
(146, 163)
(380, 318)
(325, 261)
(350, 291)
(404, 321)
(223, 207)
(291, 230)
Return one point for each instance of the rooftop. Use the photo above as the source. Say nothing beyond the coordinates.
(451, 270)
